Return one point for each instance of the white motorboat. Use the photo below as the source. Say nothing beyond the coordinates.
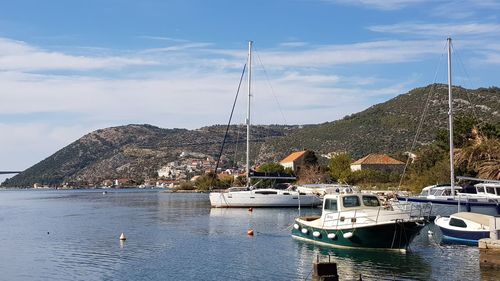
(464, 228)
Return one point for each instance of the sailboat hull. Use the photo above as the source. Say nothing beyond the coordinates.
(262, 198)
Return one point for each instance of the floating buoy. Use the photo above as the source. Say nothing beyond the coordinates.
(122, 237)
(250, 232)
(250, 209)
(104, 192)
(296, 226)
(304, 230)
(331, 235)
(347, 235)
(316, 234)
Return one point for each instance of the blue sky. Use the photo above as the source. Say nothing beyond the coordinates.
(70, 67)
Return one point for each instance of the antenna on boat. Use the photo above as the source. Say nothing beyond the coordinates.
(248, 110)
(450, 118)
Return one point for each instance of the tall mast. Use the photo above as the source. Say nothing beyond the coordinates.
(248, 109)
(450, 120)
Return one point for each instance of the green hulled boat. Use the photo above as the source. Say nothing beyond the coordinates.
(360, 221)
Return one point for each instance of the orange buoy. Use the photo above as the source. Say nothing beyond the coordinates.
(250, 232)
(250, 209)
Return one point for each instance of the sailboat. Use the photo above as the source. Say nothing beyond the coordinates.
(448, 199)
(250, 196)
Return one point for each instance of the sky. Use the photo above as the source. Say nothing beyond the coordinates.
(71, 67)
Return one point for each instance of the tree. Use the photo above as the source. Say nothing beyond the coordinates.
(340, 167)
(271, 167)
(310, 158)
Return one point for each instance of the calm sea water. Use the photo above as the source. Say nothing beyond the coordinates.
(73, 235)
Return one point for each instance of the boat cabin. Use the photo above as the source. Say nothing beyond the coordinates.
(333, 203)
(439, 190)
(488, 189)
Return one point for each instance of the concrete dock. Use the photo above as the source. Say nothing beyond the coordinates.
(489, 248)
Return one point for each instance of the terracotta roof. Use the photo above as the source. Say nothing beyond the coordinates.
(294, 156)
(380, 159)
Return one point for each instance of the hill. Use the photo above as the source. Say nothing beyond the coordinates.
(391, 126)
(137, 151)
(132, 151)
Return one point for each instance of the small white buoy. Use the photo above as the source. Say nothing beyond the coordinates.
(122, 237)
(304, 230)
(104, 192)
(296, 226)
(331, 235)
(316, 234)
(347, 235)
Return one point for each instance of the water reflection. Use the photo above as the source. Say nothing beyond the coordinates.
(370, 264)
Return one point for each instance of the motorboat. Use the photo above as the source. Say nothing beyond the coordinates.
(358, 220)
(464, 228)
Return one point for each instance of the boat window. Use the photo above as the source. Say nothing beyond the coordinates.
(490, 190)
(498, 190)
(370, 201)
(457, 222)
(331, 204)
(438, 192)
(351, 201)
(265, 192)
(480, 189)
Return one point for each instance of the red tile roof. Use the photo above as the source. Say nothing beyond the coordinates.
(294, 156)
(377, 159)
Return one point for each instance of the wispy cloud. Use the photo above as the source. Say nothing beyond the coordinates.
(162, 38)
(17, 55)
(463, 9)
(382, 52)
(379, 4)
(178, 47)
(439, 29)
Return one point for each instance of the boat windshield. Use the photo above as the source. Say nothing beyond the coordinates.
(331, 205)
(370, 201)
(457, 222)
(351, 201)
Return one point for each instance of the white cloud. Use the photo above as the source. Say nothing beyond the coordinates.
(382, 52)
(17, 55)
(439, 29)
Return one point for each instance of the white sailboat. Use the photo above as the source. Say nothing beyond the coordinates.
(238, 197)
(447, 199)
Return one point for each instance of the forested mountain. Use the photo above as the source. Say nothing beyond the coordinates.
(391, 126)
(137, 151)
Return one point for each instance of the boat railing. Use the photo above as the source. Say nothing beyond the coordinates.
(405, 211)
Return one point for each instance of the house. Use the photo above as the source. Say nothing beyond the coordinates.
(294, 160)
(379, 162)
